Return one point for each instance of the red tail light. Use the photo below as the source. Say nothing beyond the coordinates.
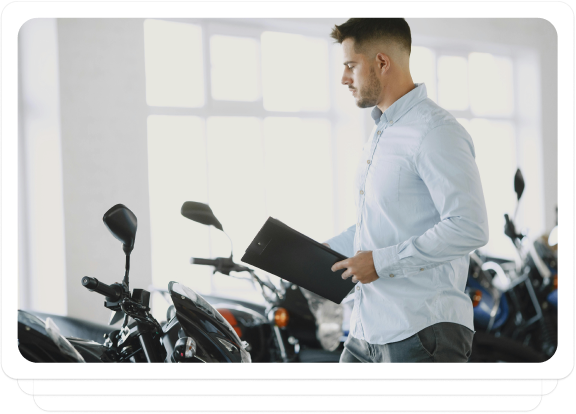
(476, 298)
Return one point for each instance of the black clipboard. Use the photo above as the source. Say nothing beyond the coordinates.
(286, 253)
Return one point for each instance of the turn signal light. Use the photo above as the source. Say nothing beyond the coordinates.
(476, 298)
(281, 317)
(229, 316)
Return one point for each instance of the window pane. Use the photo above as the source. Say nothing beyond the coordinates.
(299, 174)
(235, 68)
(496, 159)
(176, 173)
(423, 69)
(173, 62)
(236, 187)
(453, 82)
(491, 85)
(294, 72)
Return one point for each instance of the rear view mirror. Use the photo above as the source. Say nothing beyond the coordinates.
(200, 213)
(518, 183)
(122, 223)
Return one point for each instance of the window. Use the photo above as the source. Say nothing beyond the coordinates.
(253, 122)
(235, 68)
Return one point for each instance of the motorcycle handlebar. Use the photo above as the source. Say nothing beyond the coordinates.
(226, 265)
(207, 262)
(113, 293)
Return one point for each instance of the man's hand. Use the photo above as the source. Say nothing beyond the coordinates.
(360, 267)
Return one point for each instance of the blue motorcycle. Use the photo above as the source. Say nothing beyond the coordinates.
(515, 302)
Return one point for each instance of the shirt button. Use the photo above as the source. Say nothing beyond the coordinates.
(361, 192)
(358, 223)
(391, 275)
(391, 122)
(357, 287)
(422, 269)
(368, 161)
(379, 132)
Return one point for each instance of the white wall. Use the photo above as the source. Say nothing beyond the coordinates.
(104, 152)
(42, 267)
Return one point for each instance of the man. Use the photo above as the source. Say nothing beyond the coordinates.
(420, 209)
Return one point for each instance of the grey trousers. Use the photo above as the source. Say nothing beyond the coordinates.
(441, 342)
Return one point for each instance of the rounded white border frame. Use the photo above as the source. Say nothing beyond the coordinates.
(14, 15)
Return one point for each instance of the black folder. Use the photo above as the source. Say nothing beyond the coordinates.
(286, 253)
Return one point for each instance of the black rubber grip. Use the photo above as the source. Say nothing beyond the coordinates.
(207, 262)
(113, 293)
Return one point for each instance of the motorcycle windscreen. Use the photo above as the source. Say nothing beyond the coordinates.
(215, 338)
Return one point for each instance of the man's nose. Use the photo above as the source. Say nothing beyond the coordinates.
(345, 79)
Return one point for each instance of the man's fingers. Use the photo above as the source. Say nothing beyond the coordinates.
(346, 274)
(340, 265)
(354, 280)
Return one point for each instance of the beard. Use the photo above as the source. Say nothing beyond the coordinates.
(368, 94)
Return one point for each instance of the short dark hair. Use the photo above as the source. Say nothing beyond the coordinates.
(366, 30)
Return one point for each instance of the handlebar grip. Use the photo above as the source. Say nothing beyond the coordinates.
(207, 262)
(113, 292)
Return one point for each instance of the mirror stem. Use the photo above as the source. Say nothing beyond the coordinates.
(516, 212)
(125, 281)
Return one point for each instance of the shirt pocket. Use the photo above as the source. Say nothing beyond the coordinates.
(383, 182)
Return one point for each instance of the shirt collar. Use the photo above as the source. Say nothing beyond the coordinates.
(401, 106)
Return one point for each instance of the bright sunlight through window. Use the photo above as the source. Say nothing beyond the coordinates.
(294, 72)
(235, 68)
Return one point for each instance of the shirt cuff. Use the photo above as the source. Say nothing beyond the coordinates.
(386, 262)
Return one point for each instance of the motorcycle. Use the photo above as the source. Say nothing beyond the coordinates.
(515, 302)
(291, 332)
(194, 331)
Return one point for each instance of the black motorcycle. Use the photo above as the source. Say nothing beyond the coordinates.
(194, 331)
(290, 333)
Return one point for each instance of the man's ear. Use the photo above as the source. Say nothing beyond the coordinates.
(383, 61)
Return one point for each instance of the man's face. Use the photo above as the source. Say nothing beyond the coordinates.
(360, 76)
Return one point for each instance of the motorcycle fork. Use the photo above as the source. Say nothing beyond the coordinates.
(280, 343)
(150, 349)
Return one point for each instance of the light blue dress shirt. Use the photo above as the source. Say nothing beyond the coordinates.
(421, 210)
